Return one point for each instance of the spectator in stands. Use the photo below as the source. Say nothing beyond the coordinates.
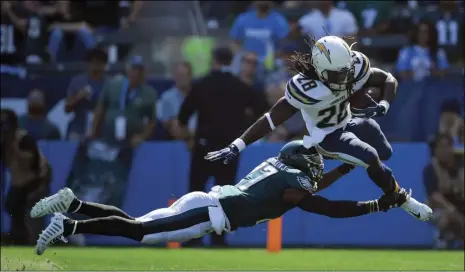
(71, 23)
(35, 122)
(248, 75)
(443, 180)
(372, 16)
(12, 50)
(448, 19)
(83, 93)
(31, 175)
(295, 36)
(451, 123)
(326, 18)
(31, 22)
(125, 112)
(89, 22)
(275, 87)
(422, 58)
(171, 100)
(216, 13)
(403, 17)
(129, 11)
(248, 71)
(275, 82)
(37, 25)
(259, 30)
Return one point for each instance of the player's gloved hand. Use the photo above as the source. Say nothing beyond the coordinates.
(392, 200)
(377, 109)
(227, 154)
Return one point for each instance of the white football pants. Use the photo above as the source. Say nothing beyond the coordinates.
(188, 218)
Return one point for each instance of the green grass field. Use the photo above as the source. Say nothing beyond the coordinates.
(69, 258)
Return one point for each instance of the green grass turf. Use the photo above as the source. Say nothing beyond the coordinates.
(70, 258)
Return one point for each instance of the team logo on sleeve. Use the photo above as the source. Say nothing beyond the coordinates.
(307, 184)
(323, 50)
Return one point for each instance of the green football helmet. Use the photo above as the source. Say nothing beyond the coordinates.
(307, 160)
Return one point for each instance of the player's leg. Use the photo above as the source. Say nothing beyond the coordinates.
(225, 174)
(200, 171)
(186, 219)
(369, 131)
(61, 226)
(344, 145)
(64, 201)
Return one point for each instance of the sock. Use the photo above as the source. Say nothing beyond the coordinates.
(96, 210)
(108, 226)
(382, 176)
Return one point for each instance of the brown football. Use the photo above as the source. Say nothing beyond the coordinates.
(361, 98)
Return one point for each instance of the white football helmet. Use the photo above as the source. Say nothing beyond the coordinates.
(332, 60)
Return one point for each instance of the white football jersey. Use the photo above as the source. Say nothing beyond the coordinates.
(323, 110)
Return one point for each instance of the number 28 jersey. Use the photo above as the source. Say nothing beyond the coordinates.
(322, 110)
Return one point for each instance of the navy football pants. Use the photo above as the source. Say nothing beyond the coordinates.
(361, 143)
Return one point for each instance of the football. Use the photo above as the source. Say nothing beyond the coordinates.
(361, 99)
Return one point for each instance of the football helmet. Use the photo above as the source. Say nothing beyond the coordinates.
(309, 161)
(333, 63)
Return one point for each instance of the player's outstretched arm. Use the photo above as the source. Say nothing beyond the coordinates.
(346, 208)
(277, 115)
(332, 176)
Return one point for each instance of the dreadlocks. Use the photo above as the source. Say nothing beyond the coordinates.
(302, 63)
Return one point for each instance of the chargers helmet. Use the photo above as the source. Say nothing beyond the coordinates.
(333, 63)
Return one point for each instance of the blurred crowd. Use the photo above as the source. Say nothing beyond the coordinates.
(264, 34)
(58, 31)
(444, 177)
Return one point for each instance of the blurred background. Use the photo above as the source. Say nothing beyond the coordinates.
(59, 58)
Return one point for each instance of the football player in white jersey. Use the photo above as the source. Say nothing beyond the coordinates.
(325, 81)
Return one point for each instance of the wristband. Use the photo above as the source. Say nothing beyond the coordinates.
(240, 144)
(385, 104)
(270, 122)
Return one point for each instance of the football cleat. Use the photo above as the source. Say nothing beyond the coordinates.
(52, 234)
(57, 203)
(415, 208)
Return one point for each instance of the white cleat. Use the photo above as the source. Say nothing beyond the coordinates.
(57, 203)
(415, 208)
(51, 234)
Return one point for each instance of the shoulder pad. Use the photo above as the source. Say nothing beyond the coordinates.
(362, 69)
(298, 91)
